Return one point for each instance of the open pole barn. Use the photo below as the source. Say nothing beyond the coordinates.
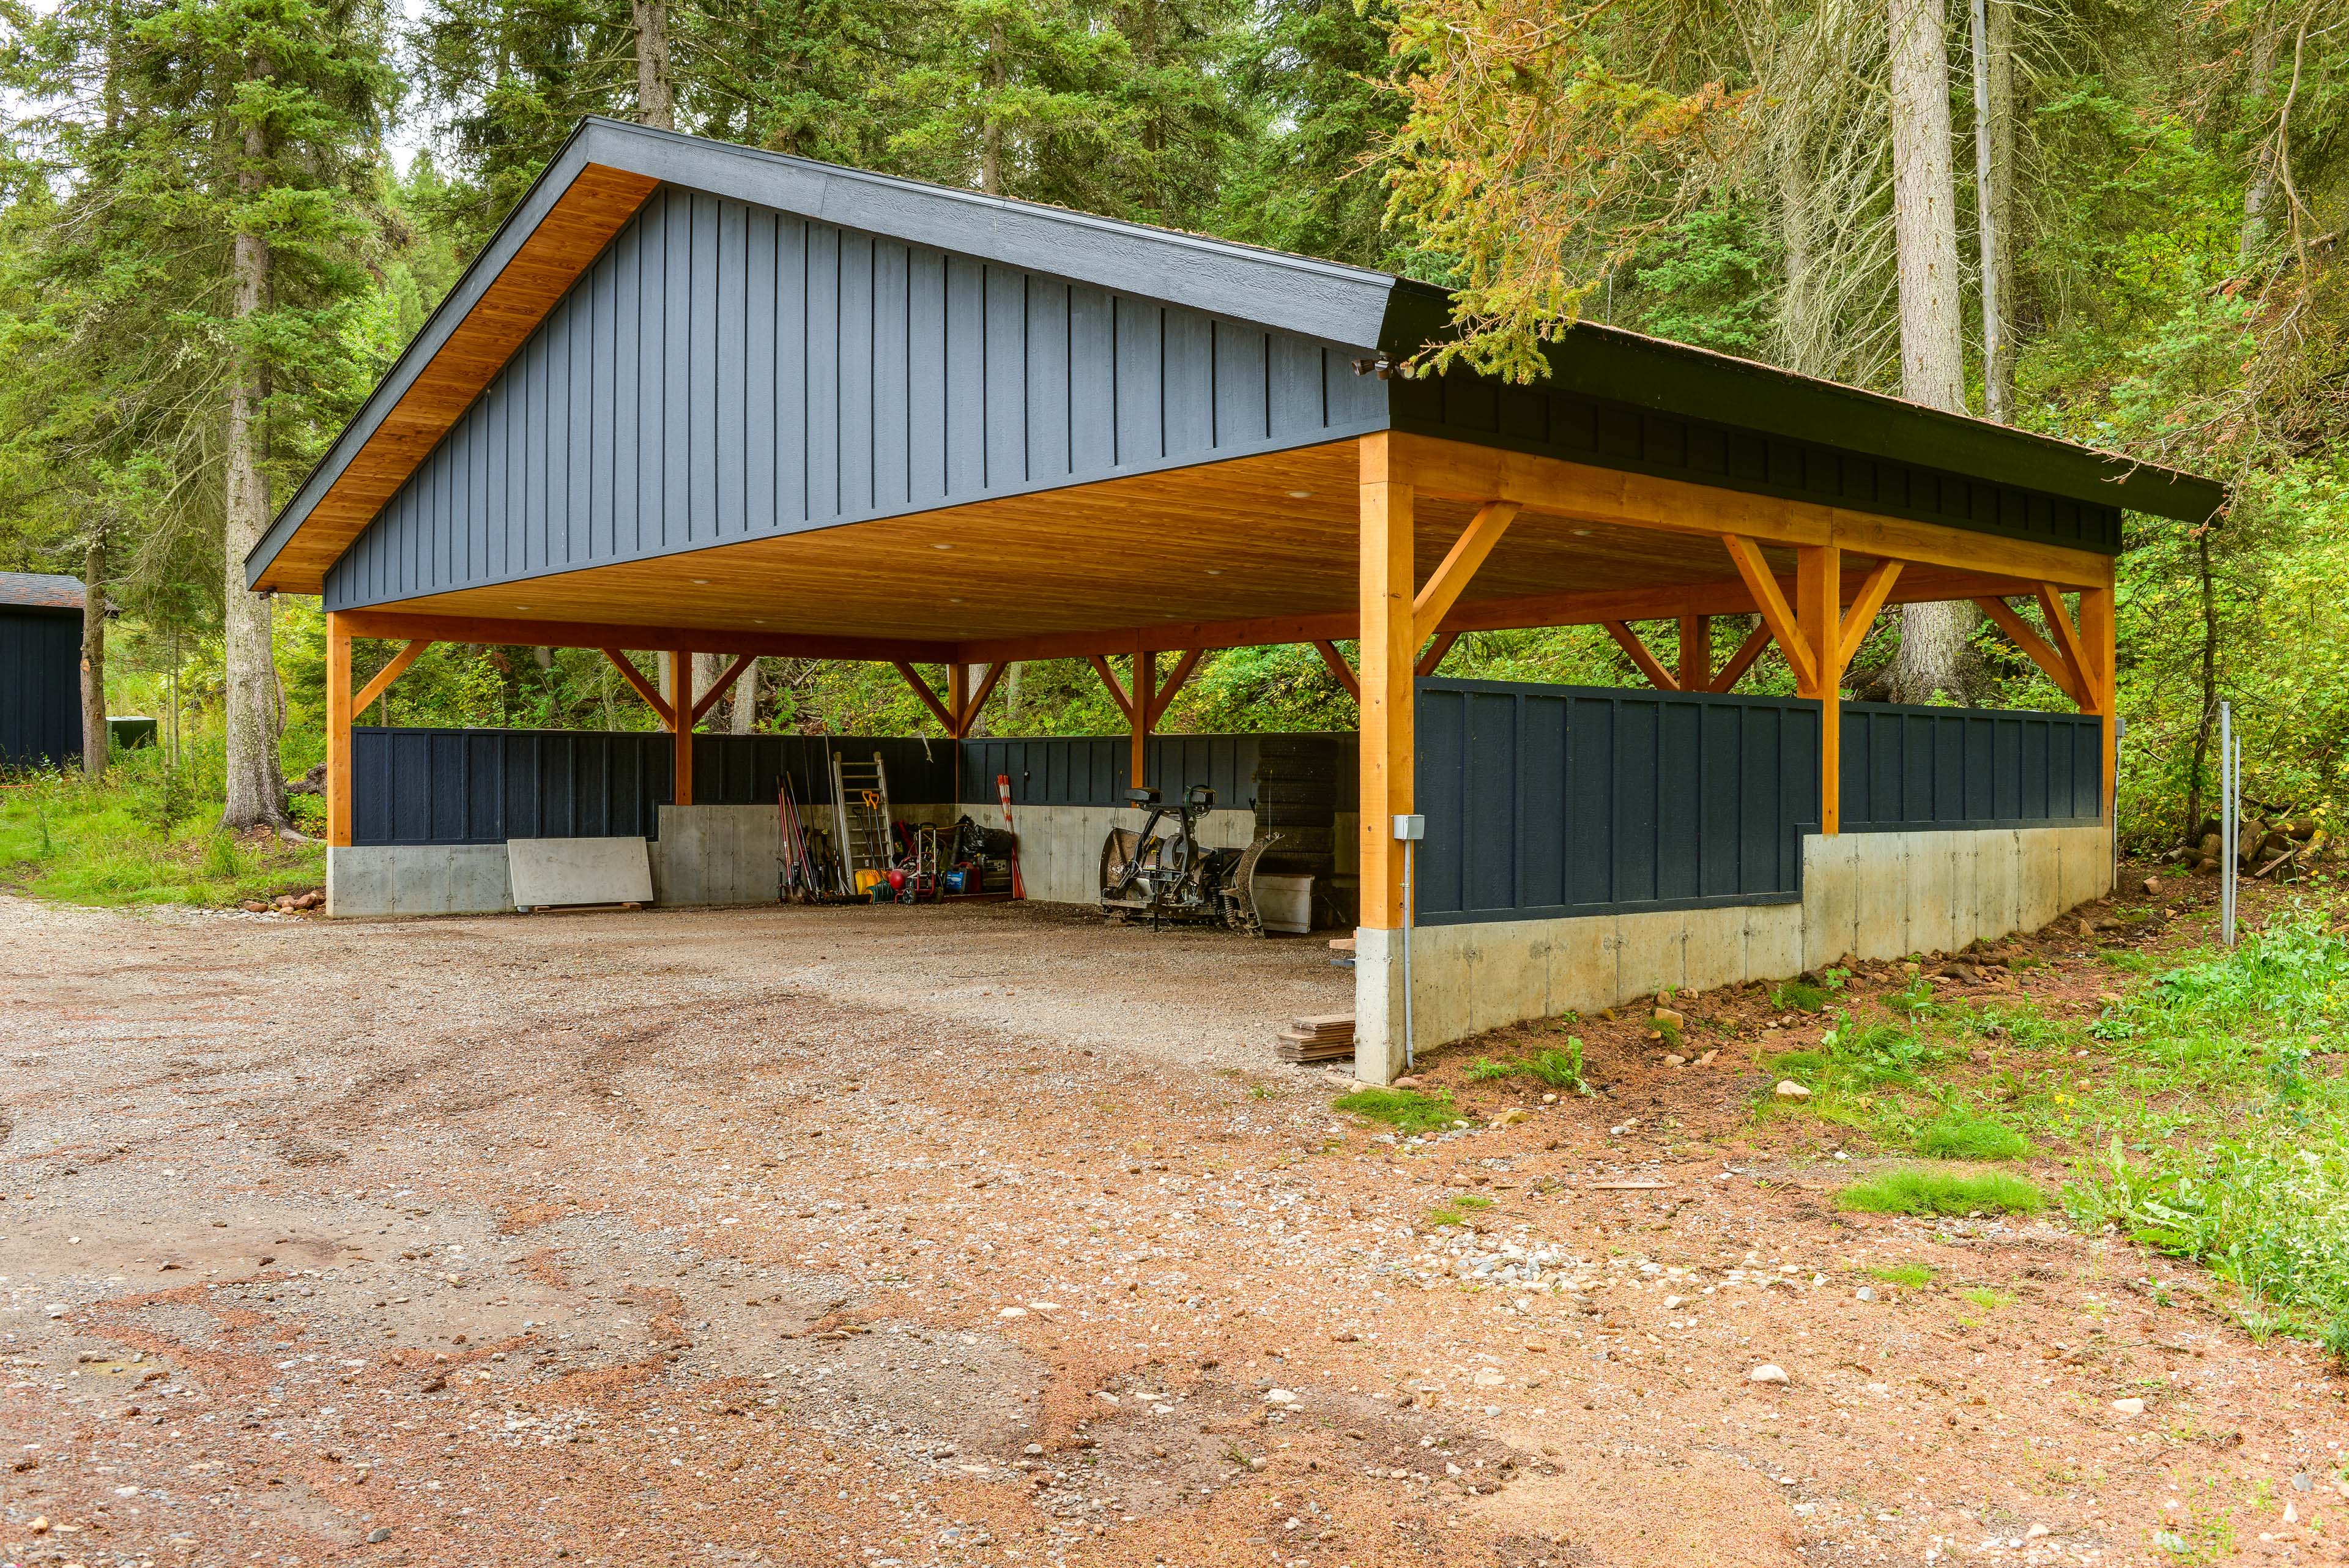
(40, 670)
(696, 397)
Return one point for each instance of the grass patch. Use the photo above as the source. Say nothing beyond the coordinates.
(1560, 1068)
(144, 834)
(1988, 1297)
(1409, 1111)
(1908, 1276)
(1798, 996)
(1922, 1189)
(1471, 1200)
(1959, 1134)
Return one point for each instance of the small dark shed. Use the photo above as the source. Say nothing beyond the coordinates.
(40, 669)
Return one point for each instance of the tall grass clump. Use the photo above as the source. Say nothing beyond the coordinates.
(2255, 1186)
(145, 832)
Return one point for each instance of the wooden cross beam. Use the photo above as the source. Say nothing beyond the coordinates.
(1442, 591)
(389, 674)
(1435, 652)
(2058, 668)
(643, 687)
(1776, 613)
(1338, 667)
(1629, 641)
(912, 678)
(708, 699)
(974, 697)
(1116, 687)
(1742, 660)
(1181, 672)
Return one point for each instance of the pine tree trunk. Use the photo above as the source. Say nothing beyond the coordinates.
(745, 701)
(93, 652)
(255, 793)
(2258, 188)
(2001, 184)
(990, 129)
(1932, 344)
(656, 106)
(1992, 237)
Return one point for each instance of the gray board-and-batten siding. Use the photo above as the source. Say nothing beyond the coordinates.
(772, 344)
(725, 373)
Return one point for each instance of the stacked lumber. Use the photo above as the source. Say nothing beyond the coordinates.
(1319, 1037)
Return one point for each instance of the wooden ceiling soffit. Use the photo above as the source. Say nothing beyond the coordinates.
(595, 206)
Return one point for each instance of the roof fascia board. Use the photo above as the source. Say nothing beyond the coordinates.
(569, 161)
(1322, 300)
(1628, 367)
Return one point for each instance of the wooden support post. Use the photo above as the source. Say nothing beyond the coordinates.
(2100, 639)
(1818, 616)
(1629, 641)
(680, 685)
(1389, 641)
(1696, 652)
(957, 698)
(1144, 695)
(338, 731)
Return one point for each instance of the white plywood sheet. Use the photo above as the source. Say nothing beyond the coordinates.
(548, 873)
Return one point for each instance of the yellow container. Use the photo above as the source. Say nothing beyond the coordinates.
(867, 878)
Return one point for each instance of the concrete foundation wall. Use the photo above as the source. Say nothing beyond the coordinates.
(1865, 895)
(376, 879)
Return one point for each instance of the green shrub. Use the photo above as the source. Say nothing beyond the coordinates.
(1487, 1070)
(1798, 996)
(1921, 1189)
(1559, 1068)
(1408, 1111)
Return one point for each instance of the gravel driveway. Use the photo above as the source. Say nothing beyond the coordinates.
(994, 1236)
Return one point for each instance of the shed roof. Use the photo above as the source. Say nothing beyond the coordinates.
(39, 590)
(607, 169)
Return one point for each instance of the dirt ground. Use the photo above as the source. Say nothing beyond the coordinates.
(993, 1236)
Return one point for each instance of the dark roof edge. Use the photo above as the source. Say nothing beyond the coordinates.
(1635, 369)
(1323, 300)
(1312, 298)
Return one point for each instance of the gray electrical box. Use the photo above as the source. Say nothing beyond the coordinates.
(1409, 827)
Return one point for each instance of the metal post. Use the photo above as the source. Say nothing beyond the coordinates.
(2229, 781)
(1409, 830)
(2120, 730)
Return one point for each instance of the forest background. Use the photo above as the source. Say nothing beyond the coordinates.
(2113, 221)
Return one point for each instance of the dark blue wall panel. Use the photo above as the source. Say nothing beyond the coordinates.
(1094, 769)
(40, 688)
(725, 371)
(485, 786)
(1547, 801)
(1918, 768)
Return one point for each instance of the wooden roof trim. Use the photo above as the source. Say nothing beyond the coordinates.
(546, 255)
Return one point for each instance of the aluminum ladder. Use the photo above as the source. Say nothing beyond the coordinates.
(860, 804)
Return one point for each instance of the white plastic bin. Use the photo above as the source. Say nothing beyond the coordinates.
(1286, 903)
